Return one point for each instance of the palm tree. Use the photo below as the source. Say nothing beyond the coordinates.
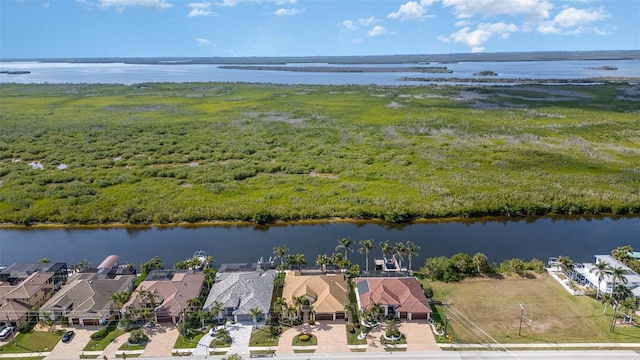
(280, 252)
(322, 260)
(601, 269)
(607, 300)
(216, 309)
(349, 309)
(118, 300)
(412, 250)
(207, 261)
(566, 264)
(480, 261)
(290, 312)
(299, 302)
(194, 304)
(365, 247)
(346, 244)
(148, 297)
(400, 251)
(376, 310)
(384, 247)
(279, 305)
(154, 264)
(255, 314)
(209, 276)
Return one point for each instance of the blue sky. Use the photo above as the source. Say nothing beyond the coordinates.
(145, 28)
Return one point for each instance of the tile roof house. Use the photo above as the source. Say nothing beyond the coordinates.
(17, 301)
(400, 297)
(328, 294)
(238, 292)
(173, 289)
(86, 298)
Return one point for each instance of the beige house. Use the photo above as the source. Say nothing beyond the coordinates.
(17, 301)
(399, 297)
(86, 298)
(172, 290)
(326, 294)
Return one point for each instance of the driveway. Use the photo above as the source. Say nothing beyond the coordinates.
(241, 336)
(72, 349)
(332, 337)
(162, 337)
(419, 336)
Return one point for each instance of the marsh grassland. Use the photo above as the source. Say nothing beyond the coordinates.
(168, 153)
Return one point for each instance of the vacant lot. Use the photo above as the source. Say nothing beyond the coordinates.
(170, 153)
(555, 315)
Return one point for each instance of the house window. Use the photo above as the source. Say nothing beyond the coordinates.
(229, 311)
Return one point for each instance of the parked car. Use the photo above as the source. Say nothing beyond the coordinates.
(214, 330)
(68, 336)
(4, 333)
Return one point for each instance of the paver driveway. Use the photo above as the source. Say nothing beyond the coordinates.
(419, 336)
(332, 337)
(161, 340)
(72, 349)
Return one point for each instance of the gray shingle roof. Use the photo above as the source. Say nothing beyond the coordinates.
(242, 291)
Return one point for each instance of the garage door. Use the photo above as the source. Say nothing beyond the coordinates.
(324, 317)
(419, 316)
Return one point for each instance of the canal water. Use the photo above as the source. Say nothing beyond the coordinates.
(577, 237)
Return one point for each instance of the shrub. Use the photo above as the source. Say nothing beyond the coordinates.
(137, 337)
(275, 330)
(100, 334)
(304, 337)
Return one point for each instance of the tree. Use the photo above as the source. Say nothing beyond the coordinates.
(82, 265)
(216, 309)
(148, 297)
(346, 244)
(412, 250)
(601, 269)
(516, 265)
(299, 302)
(384, 247)
(279, 305)
(365, 247)
(607, 300)
(296, 260)
(481, 262)
(209, 276)
(154, 264)
(194, 304)
(280, 252)
(349, 309)
(376, 310)
(322, 260)
(566, 265)
(399, 251)
(255, 314)
(118, 300)
(290, 312)
(44, 260)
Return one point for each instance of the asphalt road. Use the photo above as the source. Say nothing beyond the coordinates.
(459, 355)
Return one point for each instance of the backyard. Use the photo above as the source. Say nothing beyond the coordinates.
(550, 313)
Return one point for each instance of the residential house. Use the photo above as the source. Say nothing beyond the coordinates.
(239, 292)
(586, 276)
(172, 290)
(16, 273)
(401, 297)
(18, 301)
(326, 294)
(86, 297)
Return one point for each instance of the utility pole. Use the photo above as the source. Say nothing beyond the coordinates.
(521, 316)
(446, 318)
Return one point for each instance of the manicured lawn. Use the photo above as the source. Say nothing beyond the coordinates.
(352, 338)
(34, 341)
(263, 337)
(551, 314)
(127, 346)
(95, 345)
(313, 340)
(191, 341)
(217, 343)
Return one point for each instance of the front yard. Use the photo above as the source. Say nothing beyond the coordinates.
(33, 341)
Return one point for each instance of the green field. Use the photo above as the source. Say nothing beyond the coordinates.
(551, 315)
(171, 153)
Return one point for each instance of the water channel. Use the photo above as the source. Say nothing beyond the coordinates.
(577, 237)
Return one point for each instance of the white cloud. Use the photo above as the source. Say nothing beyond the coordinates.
(232, 3)
(349, 25)
(534, 10)
(200, 9)
(45, 5)
(376, 31)
(203, 42)
(121, 4)
(477, 38)
(356, 40)
(572, 21)
(367, 22)
(411, 10)
(286, 12)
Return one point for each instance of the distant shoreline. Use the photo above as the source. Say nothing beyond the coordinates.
(366, 59)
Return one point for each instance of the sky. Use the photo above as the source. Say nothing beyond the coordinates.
(177, 28)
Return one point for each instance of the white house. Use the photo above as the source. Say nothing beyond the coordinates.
(588, 277)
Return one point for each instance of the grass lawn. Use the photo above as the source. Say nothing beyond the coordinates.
(263, 337)
(313, 340)
(191, 341)
(95, 345)
(352, 338)
(217, 343)
(127, 346)
(33, 341)
(493, 305)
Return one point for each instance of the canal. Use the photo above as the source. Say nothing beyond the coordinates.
(577, 237)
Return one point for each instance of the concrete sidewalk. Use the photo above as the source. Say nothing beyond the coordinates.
(594, 346)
